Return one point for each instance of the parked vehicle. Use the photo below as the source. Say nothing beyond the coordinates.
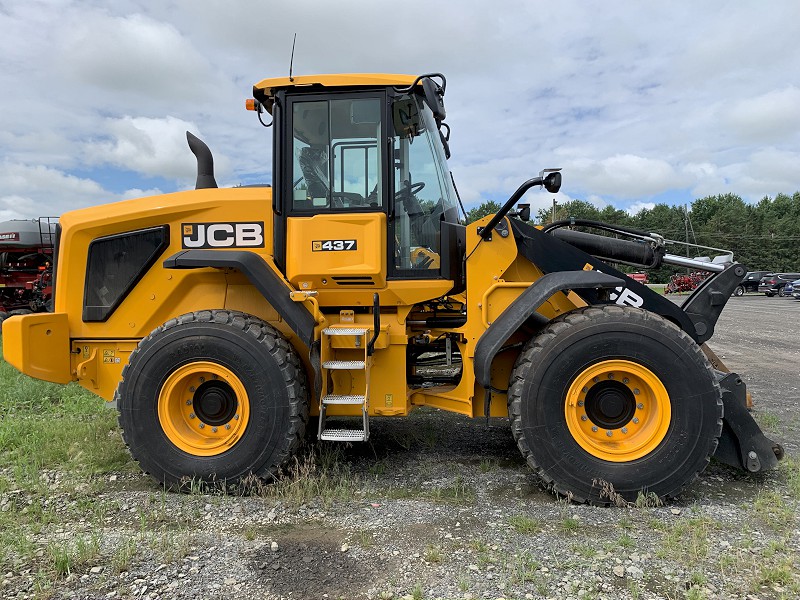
(776, 283)
(639, 276)
(750, 282)
(790, 287)
(796, 289)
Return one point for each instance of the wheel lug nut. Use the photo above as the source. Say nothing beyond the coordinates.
(189, 402)
(624, 430)
(202, 425)
(214, 430)
(635, 420)
(580, 402)
(227, 425)
(609, 433)
(236, 417)
(584, 390)
(594, 428)
(611, 376)
(191, 415)
(215, 376)
(584, 418)
(202, 380)
(636, 391)
(640, 405)
(625, 380)
(192, 388)
(595, 379)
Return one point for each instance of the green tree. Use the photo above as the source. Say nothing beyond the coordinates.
(487, 208)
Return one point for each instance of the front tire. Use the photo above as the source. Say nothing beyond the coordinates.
(614, 396)
(739, 291)
(215, 396)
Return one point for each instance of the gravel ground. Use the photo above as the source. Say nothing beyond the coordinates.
(438, 506)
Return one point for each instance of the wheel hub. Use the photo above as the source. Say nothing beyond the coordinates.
(214, 402)
(203, 408)
(617, 410)
(610, 404)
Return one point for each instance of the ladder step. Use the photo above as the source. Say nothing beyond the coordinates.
(344, 364)
(342, 435)
(351, 399)
(345, 330)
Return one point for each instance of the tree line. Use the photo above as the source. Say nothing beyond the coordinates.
(764, 236)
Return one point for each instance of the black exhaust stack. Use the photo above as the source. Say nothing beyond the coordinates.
(205, 162)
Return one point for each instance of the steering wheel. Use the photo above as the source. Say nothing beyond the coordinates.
(411, 190)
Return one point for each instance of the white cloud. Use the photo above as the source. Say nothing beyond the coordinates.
(769, 117)
(634, 100)
(624, 175)
(153, 147)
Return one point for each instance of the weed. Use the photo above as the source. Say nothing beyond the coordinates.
(648, 500)
(767, 420)
(523, 524)
(607, 492)
(698, 578)
(625, 540)
(123, 554)
(416, 593)
(487, 465)
(433, 554)
(570, 524)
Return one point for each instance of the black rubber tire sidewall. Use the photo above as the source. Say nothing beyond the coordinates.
(262, 360)
(739, 291)
(575, 342)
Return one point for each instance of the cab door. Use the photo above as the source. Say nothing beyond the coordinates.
(335, 191)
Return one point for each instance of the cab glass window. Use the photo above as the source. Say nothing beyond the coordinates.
(336, 155)
(423, 191)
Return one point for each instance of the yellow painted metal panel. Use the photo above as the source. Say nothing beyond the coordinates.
(335, 80)
(38, 345)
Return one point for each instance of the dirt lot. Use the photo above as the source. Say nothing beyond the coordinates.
(442, 507)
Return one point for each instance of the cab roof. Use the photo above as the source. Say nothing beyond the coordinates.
(267, 87)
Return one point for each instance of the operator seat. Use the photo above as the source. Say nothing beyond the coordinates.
(314, 166)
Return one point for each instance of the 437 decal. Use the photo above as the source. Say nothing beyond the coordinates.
(333, 245)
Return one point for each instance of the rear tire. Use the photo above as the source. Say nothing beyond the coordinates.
(614, 396)
(739, 291)
(781, 292)
(214, 396)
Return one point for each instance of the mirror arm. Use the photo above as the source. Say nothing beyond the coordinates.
(486, 232)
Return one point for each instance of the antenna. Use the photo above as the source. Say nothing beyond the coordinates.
(291, 60)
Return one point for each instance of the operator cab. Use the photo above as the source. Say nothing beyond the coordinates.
(362, 188)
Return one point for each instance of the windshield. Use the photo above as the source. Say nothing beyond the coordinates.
(424, 194)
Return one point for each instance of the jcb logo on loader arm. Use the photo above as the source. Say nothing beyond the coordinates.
(223, 235)
(625, 297)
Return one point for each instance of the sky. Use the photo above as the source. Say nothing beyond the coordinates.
(638, 102)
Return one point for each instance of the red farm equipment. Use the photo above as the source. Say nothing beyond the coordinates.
(26, 266)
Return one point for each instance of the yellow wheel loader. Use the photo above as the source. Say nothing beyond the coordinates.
(221, 320)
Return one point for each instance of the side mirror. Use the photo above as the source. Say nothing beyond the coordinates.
(552, 183)
(434, 95)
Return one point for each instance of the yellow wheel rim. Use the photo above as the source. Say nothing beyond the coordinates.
(617, 410)
(203, 408)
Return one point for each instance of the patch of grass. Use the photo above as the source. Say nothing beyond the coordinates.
(319, 475)
(773, 510)
(487, 465)
(767, 420)
(523, 568)
(688, 539)
(70, 555)
(523, 524)
(625, 541)
(570, 524)
(791, 470)
(55, 427)
(433, 554)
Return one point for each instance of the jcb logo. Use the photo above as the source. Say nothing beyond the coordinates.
(625, 297)
(223, 235)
